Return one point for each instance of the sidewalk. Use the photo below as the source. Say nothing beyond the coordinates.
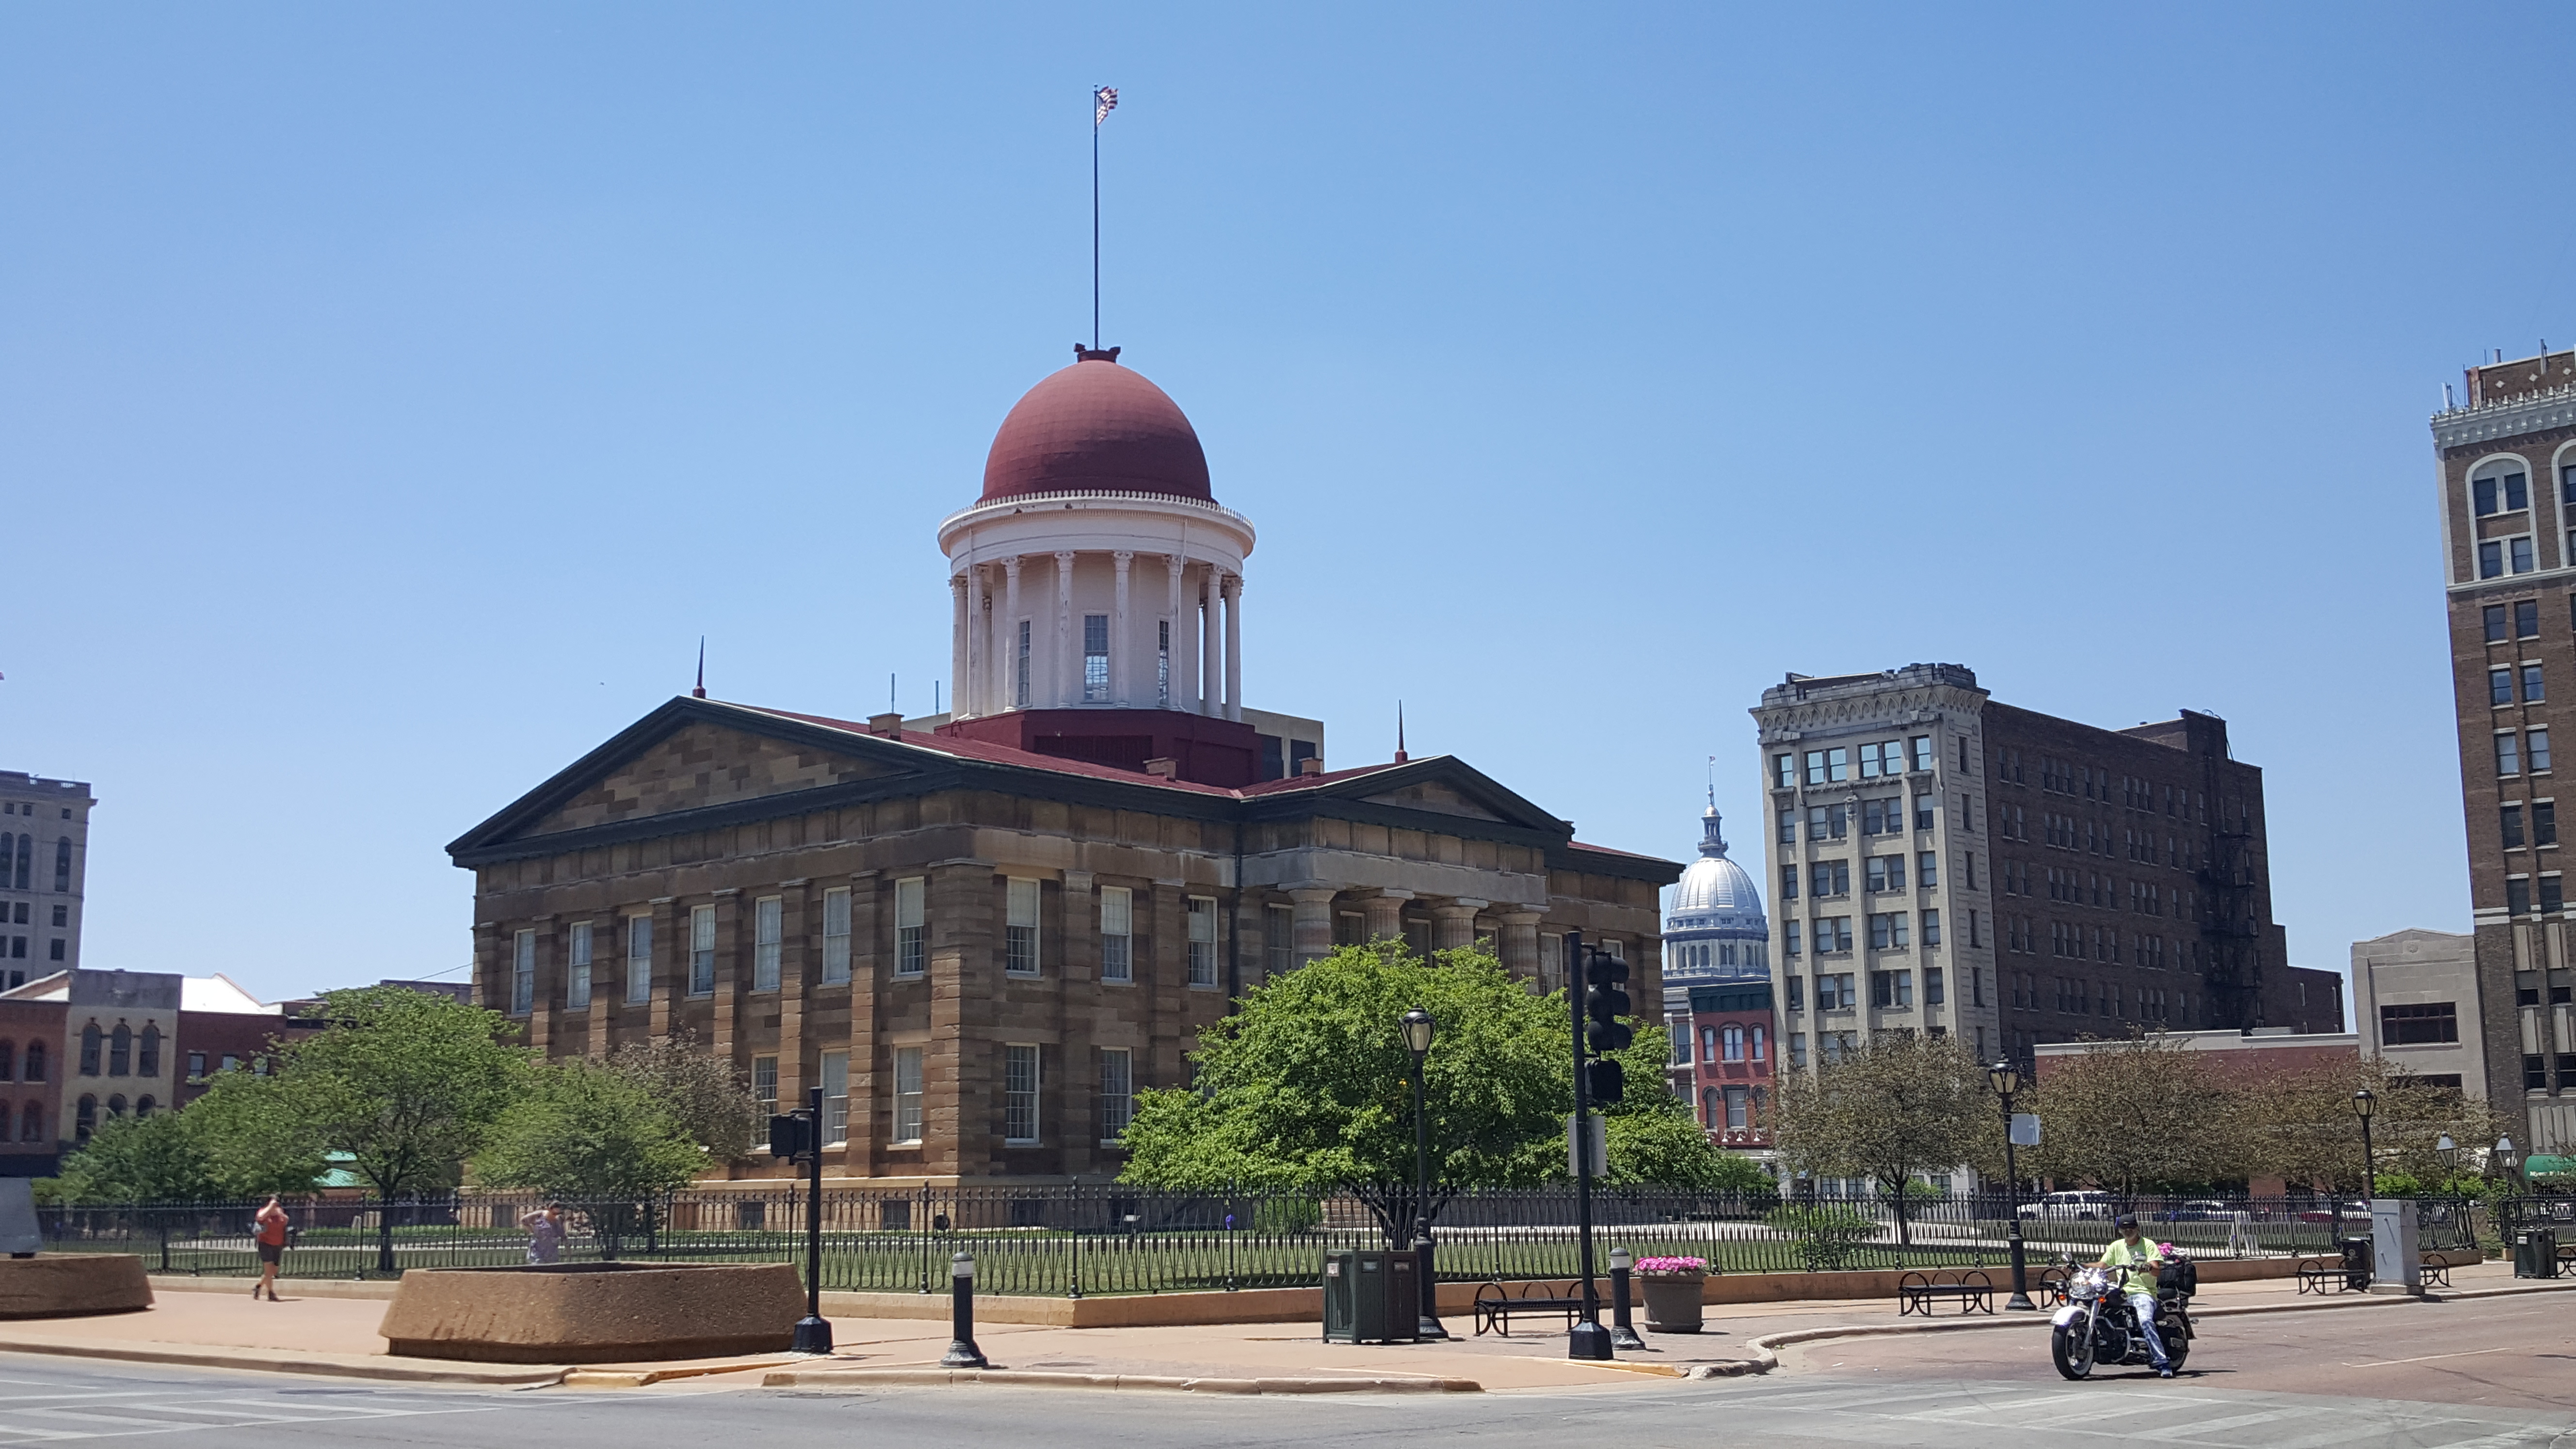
(337, 1335)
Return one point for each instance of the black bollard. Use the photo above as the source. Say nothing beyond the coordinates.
(1623, 1332)
(962, 1352)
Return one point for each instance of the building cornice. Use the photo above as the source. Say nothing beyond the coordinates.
(2534, 412)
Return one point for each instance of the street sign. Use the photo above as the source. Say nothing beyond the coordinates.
(1600, 1143)
(2025, 1129)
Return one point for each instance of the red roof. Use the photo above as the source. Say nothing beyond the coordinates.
(1096, 427)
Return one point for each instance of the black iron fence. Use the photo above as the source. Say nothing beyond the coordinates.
(1076, 1240)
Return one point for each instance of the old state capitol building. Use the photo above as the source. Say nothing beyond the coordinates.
(981, 934)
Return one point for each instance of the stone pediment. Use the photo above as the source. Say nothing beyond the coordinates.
(1436, 797)
(698, 766)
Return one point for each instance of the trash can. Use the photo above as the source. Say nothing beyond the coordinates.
(2535, 1253)
(2356, 1263)
(1369, 1297)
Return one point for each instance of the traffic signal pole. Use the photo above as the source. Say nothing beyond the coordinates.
(1588, 1339)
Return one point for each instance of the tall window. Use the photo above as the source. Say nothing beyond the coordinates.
(8, 1061)
(1736, 1097)
(1927, 870)
(836, 935)
(1117, 933)
(836, 1098)
(63, 850)
(523, 973)
(1020, 1094)
(768, 928)
(120, 1051)
(577, 974)
(1761, 1043)
(2509, 817)
(1202, 941)
(764, 1084)
(1163, 662)
(1020, 669)
(148, 1058)
(1923, 811)
(1784, 772)
(1732, 1043)
(1095, 657)
(907, 1094)
(2490, 558)
(2499, 686)
(639, 958)
(31, 1124)
(2537, 748)
(702, 950)
(2500, 493)
(1279, 939)
(1117, 1092)
(1020, 928)
(2544, 822)
(2508, 752)
(911, 955)
(32, 1068)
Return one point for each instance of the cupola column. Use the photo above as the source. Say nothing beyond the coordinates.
(971, 686)
(959, 671)
(1122, 671)
(1008, 656)
(1170, 649)
(1066, 667)
(1233, 647)
(1209, 664)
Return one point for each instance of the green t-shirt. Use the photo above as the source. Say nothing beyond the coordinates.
(2144, 1256)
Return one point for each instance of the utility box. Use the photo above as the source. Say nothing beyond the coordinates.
(1370, 1297)
(2535, 1253)
(2397, 1259)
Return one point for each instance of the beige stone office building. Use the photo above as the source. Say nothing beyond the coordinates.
(2416, 1002)
(44, 872)
(981, 934)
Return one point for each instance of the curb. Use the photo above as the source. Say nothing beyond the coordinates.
(289, 1361)
(1032, 1378)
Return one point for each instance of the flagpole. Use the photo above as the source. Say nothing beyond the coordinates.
(1095, 220)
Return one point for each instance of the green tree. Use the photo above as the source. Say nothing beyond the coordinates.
(255, 1140)
(1897, 1109)
(1654, 1139)
(1307, 1085)
(404, 1085)
(710, 1097)
(2301, 1125)
(2132, 1114)
(595, 1135)
(151, 1159)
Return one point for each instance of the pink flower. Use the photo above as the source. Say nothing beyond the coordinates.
(1672, 1265)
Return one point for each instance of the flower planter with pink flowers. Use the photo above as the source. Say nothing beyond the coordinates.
(1672, 1289)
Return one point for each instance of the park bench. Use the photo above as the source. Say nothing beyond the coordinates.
(1497, 1305)
(2330, 1275)
(1917, 1291)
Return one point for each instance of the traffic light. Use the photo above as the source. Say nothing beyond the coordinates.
(787, 1135)
(1604, 1081)
(1604, 1003)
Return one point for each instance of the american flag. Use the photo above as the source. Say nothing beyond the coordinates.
(1104, 99)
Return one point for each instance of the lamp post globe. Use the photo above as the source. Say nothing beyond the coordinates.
(2505, 1157)
(1417, 1028)
(2449, 1151)
(2005, 1079)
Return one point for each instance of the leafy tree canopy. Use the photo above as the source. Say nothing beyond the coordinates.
(707, 1095)
(138, 1159)
(589, 1132)
(1895, 1109)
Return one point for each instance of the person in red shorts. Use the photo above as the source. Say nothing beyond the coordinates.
(270, 1230)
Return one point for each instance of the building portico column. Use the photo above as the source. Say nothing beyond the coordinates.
(1122, 673)
(1233, 647)
(960, 630)
(1209, 664)
(1519, 944)
(1385, 913)
(1066, 670)
(1007, 658)
(1453, 923)
(971, 687)
(1167, 643)
(1312, 927)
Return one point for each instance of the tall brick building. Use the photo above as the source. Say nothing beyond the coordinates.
(1947, 864)
(981, 934)
(2506, 474)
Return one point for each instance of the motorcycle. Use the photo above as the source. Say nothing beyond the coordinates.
(2095, 1324)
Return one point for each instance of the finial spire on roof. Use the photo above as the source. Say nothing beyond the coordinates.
(700, 692)
(1400, 755)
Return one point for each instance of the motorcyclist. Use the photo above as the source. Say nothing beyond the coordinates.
(2143, 1259)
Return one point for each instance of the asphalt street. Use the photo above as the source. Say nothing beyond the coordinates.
(2407, 1377)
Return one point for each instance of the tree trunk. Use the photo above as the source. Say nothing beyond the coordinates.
(385, 1235)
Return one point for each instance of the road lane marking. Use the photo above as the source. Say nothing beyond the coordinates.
(2428, 1358)
(2185, 1432)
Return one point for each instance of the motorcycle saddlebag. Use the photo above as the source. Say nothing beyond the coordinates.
(2181, 1276)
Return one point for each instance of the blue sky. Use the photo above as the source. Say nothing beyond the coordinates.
(390, 396)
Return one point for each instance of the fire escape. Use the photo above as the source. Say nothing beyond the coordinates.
(2231, 928)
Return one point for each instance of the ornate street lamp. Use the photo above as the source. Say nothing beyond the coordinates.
(2449, 1152)
(2005, 1079)
(2365, 1104)
(2506, 1159)
(1417, 1028)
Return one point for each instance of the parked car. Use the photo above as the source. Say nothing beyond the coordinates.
(2351, 1210)
(2082, 1207)
(2206, 1210)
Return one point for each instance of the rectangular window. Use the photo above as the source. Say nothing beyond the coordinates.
(1761, 1043)
(2517, 896)
(1887, 872)
(764, 1085)
(2537, 747)
(1020, 1095)
(1279, 939)
(1117, 933)
(1797, 993)
(1797, 1048)
(1838, 928)
(2499, 686)
(1788, 882)
(1163, 661)
(1202, 940)
(2517, 493)
(1789, 816)
(1884, 758)
(2551, 900)
(2490, 559)
(577, 974)
(2544, 823)
(1923, 811)
(1020, 669)
(639, 958)
(2526, 618)
(2482, 495)
(2535, 1074)
(1829, 878)
(1887, 931)
(907, 1094)
(1095, 658)
(1117, 1093)
(2424, 1024)
(2508, 752)
(2520, 550)
(1790, 944)
(2532, 692)
(2510, 819)
(1931, 928)
(836, 935)
(1020, 927)
(836, 1098)
(1922, 745)
(702, 950)
(768, 930)
(196, 1067)
(2495, 623)
(1784, 772)
(911, 944)
(1927, 868)
(1933, 994)
(523, 973)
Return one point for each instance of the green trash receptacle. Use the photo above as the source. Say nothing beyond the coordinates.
(1369, 1297)
(2535, 1253)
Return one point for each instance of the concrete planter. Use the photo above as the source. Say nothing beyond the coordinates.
(1672, 1301)
(595, 1312)
(64, 1285)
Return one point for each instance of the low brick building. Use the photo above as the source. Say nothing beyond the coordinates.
(1734, 1040)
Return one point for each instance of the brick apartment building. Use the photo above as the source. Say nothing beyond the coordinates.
(1732, 1037)
(981, 933)
(1947, 864)
(81, 1048)
(2506, 471)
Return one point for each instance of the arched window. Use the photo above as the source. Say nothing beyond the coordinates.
(120, 1051)
(2503, 486)
(91, 1038)
(26, 859)
(143, 1106)
(116, 1105)
(1708, 1108)
(35, 1061)
(63, 864)
(31, 1126)
(8, 1060)
(85, 1118)
(149, 1064)
(1734, 1043)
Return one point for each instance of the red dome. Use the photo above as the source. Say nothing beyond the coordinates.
(1096, 426)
